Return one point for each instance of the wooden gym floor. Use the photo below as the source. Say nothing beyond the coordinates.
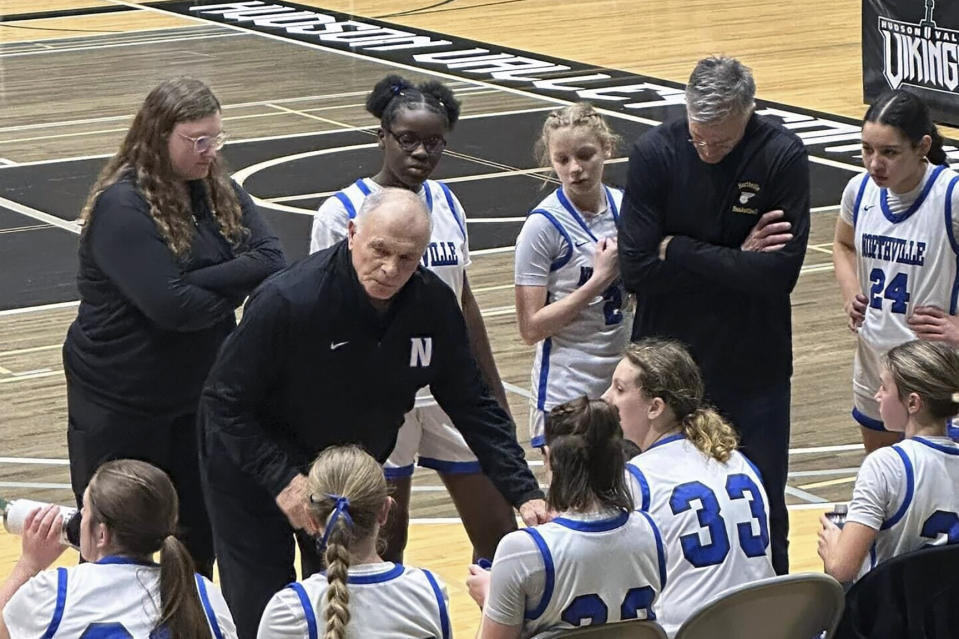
(69, 85)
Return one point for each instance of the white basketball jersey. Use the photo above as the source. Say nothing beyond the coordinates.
(907, 259)
(927, 514)
(386, 600)
(447, 254)
(714, 520)
(580, 358)
(111, 599)
(597, 571)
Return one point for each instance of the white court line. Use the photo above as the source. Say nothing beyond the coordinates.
(32, 484)
(426, 521)
(49, 461)
(53, 220)
(118, 44)
(25, 376)
(513, 388)
(819, 473)
(804, 495)
(486, 289)
(826, 449)
(24, 351)
(42, 307)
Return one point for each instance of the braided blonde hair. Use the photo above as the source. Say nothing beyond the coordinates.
(344, 472)
(580, 114)
(667, 370)
(144, 155)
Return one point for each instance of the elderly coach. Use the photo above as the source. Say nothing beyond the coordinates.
(712, 235)
(332, 351)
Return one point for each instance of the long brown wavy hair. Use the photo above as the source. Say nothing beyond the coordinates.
(144, 155)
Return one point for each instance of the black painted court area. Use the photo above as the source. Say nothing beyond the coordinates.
(39, 264)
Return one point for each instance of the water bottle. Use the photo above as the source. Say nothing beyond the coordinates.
(838, 514)
(15, 514)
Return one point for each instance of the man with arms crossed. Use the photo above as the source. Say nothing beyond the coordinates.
(712, 236)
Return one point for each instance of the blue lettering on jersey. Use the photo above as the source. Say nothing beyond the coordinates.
(893, 249)
(440, 254)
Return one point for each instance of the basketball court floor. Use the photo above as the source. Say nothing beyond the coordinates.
(72, 74)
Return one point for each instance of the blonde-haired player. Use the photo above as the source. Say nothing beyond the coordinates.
(569, 301)
(706, 497)
(360, 595)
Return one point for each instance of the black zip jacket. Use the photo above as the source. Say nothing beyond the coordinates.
(150, 323)
(312, 364)
(731, 307)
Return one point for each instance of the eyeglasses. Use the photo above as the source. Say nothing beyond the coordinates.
(721, 145)
(409, 142)
(205, 143)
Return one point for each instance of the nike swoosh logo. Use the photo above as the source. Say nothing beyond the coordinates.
(336, 345)
(581, 244)
(867, 207)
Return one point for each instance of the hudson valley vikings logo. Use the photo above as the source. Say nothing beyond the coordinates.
(921, 55)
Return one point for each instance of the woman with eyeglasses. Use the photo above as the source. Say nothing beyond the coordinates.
(414, 124)
(170, 247)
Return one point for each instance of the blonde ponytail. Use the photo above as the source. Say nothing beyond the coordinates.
(710, 433)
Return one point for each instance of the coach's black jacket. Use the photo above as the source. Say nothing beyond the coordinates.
(312, 364)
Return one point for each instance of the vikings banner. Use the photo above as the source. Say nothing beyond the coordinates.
(913, 45)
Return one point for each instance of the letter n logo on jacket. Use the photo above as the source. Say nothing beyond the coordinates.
(421, 351)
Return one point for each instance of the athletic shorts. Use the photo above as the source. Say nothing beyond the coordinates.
(865, 384)
(428, 433)
(537, 425)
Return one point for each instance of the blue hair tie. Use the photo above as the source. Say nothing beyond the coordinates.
(340, 509)
(396, 89)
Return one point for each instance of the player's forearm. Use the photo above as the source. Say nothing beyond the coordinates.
(21, 574)
(548, 320)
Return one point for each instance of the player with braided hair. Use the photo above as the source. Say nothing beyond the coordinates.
(689, 457)
(556, 576)
(569, 300)
(415, 121)
(360, 595)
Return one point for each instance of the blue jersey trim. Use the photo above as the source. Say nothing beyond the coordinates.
(538, 442)
(428, 192)
(954, 300)
(598, 525)
(660, 551)
(666, 440)
(897, 218)
(910, 489)
(377, 578)
(398, 472)
(452, 204)
(308, 613)
(208, 607)
(612, 204)
(755, 468)
(119, 559)
(550, 573)
(444, 614)
(451, 467)
(859, 194)
(872, 556)
(565, 258)
(544, 373)
(643, 486)
(363, 187)
(949, 450)
(866, 421)
(347, 204)
(61, 604)
(572, 211)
